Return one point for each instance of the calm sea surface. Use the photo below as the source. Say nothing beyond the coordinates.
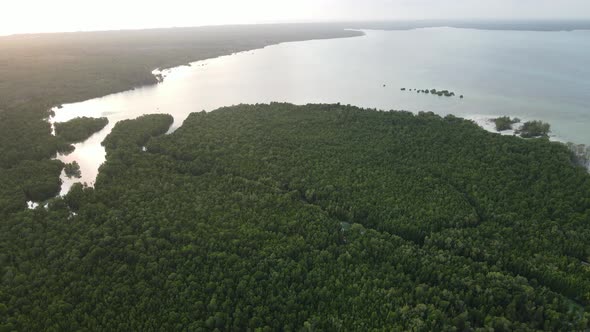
(531, 75)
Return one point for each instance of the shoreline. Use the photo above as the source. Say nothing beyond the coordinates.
(484, 122)
(166, 74)
(159, 74)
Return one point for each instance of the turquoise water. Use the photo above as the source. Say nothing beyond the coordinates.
(531, 75)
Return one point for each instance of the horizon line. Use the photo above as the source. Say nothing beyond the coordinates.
(308, 22)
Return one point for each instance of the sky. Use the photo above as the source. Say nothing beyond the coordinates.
(29, 16)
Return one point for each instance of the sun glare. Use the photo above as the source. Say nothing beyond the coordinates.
(28, 16)
(67, 15)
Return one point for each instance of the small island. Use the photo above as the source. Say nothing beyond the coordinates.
(440, 93)
(72, 170)
(532, 129)
(135, 133)
(529, 129)
(79, 129)
(445, 93)
(505, 123)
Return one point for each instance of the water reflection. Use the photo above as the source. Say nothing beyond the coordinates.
(531, 75)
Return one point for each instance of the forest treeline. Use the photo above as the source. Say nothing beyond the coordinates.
(317, 217)
(79, 129)
(135, 133)
(26, 146)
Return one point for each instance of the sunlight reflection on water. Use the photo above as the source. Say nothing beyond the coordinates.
(514, 73)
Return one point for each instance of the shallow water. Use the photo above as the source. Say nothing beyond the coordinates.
(531, 75)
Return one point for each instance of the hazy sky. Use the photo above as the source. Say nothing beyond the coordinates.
(19, 16)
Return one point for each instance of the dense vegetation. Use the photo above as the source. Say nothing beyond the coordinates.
(322, 217)
(135, 133)
(72, 170)
(534, 129)
(24, 135)
(79, 129)
(39, 72)
(529, 129)
(26, 173)
(247, 226)
(28, 181)
(505, 123)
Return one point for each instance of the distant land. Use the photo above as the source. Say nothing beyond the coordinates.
(517, 25)
(94, 64)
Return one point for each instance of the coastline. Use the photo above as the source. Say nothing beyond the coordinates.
(159, 75)
(486, 122)
(93, 143)
(189, 68)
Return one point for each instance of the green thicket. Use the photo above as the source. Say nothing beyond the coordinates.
(25, 135)
(26, 173)
(505, 123)
(28, 181)
(72, 170)
(79, 129)
(534, 129)
(135, 133)
(321, 217)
